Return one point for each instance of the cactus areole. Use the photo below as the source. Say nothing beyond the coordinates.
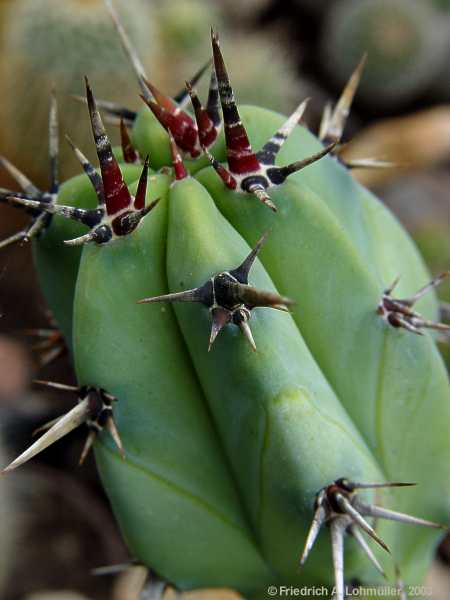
(245, 371)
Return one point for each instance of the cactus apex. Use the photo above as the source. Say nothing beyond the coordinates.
(252, 172)
(115, 112)
(179, 123)
(148, 90)
(338, 506)
(399, 313)
(162, 99)
(169, 112)
(229, 298)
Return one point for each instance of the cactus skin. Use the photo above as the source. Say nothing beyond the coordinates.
(273, 400)
(103, 283)
(194, 226)
(363, 360)
(192, 508)
(331, 392)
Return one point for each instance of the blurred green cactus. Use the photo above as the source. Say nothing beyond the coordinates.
(278, 378)
(46, 43)
(406, 42)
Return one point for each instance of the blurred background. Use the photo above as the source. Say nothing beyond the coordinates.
(55, 523)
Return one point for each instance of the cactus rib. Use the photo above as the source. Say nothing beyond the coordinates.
(229, 298)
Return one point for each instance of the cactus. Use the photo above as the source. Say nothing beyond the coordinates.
(235, 329)
(406, 41)
(442, 4)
